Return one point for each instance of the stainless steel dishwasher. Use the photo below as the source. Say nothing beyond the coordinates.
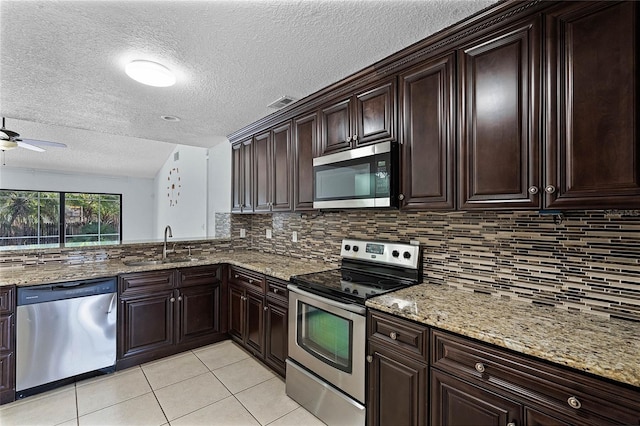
(64, 330)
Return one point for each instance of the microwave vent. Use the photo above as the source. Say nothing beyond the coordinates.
(281, 102)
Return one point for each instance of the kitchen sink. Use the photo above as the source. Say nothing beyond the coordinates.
(149, 262)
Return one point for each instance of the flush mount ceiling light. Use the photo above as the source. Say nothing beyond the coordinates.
(170, 118)
(150, 73)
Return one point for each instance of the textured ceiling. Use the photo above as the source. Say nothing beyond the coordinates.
(62, 79)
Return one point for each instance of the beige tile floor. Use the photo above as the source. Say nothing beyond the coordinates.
(219, 384)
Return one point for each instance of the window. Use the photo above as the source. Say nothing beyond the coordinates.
(52, 218)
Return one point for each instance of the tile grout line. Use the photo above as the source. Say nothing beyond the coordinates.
(154, 394)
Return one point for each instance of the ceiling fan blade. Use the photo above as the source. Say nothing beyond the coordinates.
(23, 144)
(36, 142)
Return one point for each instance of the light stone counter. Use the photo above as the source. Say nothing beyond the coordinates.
(270, 264)
(605, 347)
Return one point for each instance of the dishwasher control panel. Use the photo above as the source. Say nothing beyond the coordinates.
(65, 290)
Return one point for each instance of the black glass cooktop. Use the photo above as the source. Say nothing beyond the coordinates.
(351, 285)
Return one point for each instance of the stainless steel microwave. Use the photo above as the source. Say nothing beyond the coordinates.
(358, 178)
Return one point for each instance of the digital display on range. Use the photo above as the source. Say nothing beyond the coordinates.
(374, 248)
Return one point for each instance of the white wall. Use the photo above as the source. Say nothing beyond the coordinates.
(219, 182)
(137, 194)
(187, 213)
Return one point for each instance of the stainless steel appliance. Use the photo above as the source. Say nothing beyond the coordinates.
(327, 326)
(361, 177)
(64, 330)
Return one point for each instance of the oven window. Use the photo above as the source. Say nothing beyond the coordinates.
(326, 336)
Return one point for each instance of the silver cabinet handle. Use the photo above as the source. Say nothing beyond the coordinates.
(173, 299)
(550, 189)
(355, 137)
(393, 335)
(266, 308)
(369, 358)
(348, 138)
(236, 276)
(533, 190)
(400, 197)
(480, 367)
(275, 290)
(574, 402)
(511, 424)
(179, 298)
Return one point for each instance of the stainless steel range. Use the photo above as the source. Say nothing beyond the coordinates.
(327, 326)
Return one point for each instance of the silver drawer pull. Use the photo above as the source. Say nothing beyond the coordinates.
(369, 358)
(236, 276)
(393, 335)
(480, 367)
(511, 424)
(574, 402)
(275, 290)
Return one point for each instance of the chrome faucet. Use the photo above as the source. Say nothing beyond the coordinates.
(164, 247)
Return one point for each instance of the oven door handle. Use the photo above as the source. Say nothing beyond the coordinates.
(356, 309)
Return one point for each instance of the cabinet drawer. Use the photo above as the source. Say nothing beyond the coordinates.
(277, 290)
(7, 299)
(146, 281)
(5, 333)
(248, 278)
(587, 399)
(199, 275)
(403, 336)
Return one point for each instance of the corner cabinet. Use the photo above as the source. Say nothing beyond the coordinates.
(242, 177)
(368, 116)
(7, 344)
(593, 152)
(499, 119)
(169, 311)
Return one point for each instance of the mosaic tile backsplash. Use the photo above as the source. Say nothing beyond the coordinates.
(588, 262)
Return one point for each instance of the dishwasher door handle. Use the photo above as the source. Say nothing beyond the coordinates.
(112, 304)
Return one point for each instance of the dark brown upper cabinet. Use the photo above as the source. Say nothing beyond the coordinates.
(427, 102)
(305, 139)
(499, 79)
(272, 170)
(368, 116)
(593, 155)
(241, 177)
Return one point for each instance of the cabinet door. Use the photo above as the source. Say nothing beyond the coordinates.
(335, 122)
(305, 135)
(455, 402)
(254, 336)
(276, 335)
(397, 392)
(499, 147)
(241, 180)
(534, 417)
(262, 172)
(146, 323)
(281, 174)
(593, 153)
(199, 312)
(375, 118)
(427, 100)
(236, 311)
(236, 178)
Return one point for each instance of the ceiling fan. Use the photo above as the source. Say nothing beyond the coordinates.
(10, 140)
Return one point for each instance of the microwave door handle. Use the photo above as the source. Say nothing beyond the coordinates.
(356, 309)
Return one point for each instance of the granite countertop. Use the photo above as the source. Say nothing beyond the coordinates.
(605, 347)
(273, 265)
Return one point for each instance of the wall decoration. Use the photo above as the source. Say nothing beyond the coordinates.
(174, 186)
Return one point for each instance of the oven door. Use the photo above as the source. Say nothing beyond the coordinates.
(328, 338)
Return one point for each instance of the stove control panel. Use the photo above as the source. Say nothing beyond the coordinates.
(390, 253)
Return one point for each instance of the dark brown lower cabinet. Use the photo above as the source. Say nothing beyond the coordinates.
(456, 402)
(276, 325)
(7, 344)
(177, 310)
(397, 388)
(246, 309)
